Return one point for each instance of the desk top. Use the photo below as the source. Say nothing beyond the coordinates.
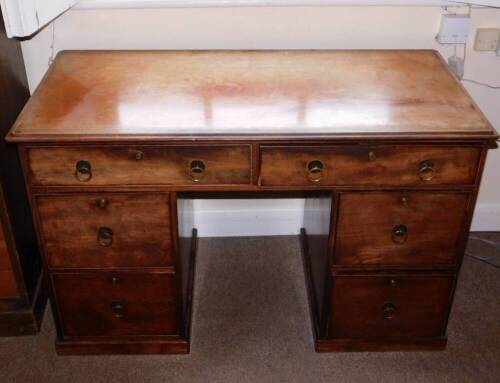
(170, 95)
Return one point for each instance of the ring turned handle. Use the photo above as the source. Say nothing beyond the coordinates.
(196, 170)
(315, 170)
(426, 170)
(105, 236)
(399, 234)
(388, 310)
(83, 172)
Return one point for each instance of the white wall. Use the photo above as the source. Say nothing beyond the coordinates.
(269, 28)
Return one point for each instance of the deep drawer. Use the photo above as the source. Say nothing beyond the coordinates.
(106, 230)
(390, 306)
(148, 165)
(364, 165)
(400, 228)
(116, 304)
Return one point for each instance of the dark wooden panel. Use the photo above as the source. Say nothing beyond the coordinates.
(8, 286)
(72, 228)
(361, 165)
(4, 252)
(167, 165)
(420, 303)
(88, 303)
(368, 222)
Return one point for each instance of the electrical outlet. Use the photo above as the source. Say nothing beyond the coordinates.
(487, 39)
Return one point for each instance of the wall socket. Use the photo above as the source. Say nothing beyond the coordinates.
(487, 39)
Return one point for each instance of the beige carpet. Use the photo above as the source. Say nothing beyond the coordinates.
(251, 324)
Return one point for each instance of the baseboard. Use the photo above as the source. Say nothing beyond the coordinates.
(241, 221)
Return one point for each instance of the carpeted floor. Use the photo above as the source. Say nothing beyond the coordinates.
(251, 324)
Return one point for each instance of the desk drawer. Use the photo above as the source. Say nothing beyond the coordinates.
(109, 304)
(369, 166)
(390, 306)
(399, 228)
(165, 165)
(106, 230)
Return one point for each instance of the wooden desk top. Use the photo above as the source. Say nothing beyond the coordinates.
(170, 95)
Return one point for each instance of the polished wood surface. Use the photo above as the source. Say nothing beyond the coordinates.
(113, 304)
(390, 306)
(157, 165)
(433, 222)
(131, 95)
(141, 231)
(362, 165)
(8, 286)
(386, 148)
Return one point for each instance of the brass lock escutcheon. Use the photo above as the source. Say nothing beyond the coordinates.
(315, 170)
(426, 170)
(105, 236)
(197, 170)
(117, 308)
(399, 234)
(388, 310)
(83, 172)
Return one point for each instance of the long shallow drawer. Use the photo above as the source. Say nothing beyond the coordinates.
(399, 228)
(8, 286)
(109, 304)
(373, 166)
(106, 230)
(116, 165)
(390, 306)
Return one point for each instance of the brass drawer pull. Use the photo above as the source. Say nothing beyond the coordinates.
(196, 170)
(388, 310)
(138, 156)
(102, 203)
(426, 170)
(105, 236)
(117, 307)
(399, 234)
(315, 170)
(83, 171)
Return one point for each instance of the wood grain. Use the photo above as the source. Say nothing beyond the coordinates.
(127, 95)
(434, 222)
(160, 165)
(8, 285)
(361, 165)
(85, 303)
(141, 226)
(421, 305)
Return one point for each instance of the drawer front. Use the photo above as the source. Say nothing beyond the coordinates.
(390, 307)
(399, 228)
(8, 287)
(371, 166)
(106, 230)
(108, 304)
(168, 165)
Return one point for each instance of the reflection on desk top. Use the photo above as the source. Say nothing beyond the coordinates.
(140, 95)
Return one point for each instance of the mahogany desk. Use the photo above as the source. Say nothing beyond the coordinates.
(386, 146)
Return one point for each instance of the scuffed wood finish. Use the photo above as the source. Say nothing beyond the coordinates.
(420, 304)
(86, 300)
(158, 165)
(8, 286)
(364, 165)
(140, 224)
(434, 223)
(155, 95)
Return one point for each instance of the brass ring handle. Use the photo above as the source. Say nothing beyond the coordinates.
(105, 236)
(388, 310)
(426, 170)
(399, 234)
(315, 170)
(138, 156)
(118, 308)
(83, 172)
(196, 170)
